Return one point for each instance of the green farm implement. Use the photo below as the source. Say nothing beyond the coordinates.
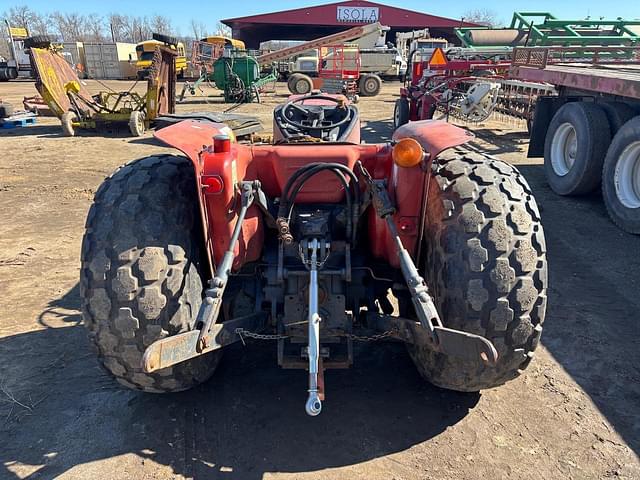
(541, 29)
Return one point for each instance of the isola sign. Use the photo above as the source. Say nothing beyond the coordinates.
(358, 14)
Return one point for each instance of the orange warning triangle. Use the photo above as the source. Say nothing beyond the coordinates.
(437, 58)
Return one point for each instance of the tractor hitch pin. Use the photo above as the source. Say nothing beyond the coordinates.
(314, 404)
(210, 308)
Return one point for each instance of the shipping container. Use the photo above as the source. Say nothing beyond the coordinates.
(112, 61)
(74, 54)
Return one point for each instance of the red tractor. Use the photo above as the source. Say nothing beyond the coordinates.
(314, 241)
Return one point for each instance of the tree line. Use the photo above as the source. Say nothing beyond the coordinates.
(115, 27)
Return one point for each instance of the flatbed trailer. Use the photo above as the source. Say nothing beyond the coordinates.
(589, 133)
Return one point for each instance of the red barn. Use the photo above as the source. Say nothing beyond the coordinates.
(313, 22)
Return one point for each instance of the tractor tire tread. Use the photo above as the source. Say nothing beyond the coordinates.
(139, 278)
(487, 267)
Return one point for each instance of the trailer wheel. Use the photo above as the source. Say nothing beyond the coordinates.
(38, 41)
(621, 177)
(140, 277)
(485, 264)
(8, 73)
(370, 85)
(618, 114)
(401, 112)
(291, 81)
(136, 123)
(575, 146)
(67, 120)
(301, 85)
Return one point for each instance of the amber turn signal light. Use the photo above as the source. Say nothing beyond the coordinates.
(407, 153)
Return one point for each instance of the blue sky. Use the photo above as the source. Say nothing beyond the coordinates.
(211, 11)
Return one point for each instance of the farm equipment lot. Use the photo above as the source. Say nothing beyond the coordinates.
(575, 413)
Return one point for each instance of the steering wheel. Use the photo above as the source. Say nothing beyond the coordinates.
(314, 113)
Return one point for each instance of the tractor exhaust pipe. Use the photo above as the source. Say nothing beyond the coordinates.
(314, 404)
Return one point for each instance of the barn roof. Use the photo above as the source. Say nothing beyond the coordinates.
(326, 15)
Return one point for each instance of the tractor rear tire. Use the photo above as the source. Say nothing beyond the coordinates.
(136, 123)
(370, 85)
(485, 264)
(575, 147)
(141, 270)
(621, 178)
(401, 112)
(301, 85)
(67, 120)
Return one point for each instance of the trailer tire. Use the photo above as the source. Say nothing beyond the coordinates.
(618, 114)
(370, 85)
(621, 177)
(291, 80)
(8, 73)
(485, 264)
(168, 39)
(136, 123)
(301, 85)
(38, 41)
(575, 147)
(67, 119)
(401, 112)
(140, 277)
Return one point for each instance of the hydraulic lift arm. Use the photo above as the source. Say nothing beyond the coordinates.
(444, 340)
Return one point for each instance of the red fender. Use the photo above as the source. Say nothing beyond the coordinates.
(273, 165)
(409, 186)
(191, 137)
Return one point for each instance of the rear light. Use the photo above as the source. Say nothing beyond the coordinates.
(221, 144)
(212, 184)
(407, 153)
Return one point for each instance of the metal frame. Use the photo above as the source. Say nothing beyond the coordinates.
(544, 29)
(338, 65)
(540, 57)
(540, 65)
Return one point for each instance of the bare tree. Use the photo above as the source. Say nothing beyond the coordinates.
(117, 26)
(137, 29)
(20, 16)
(70, 26)
(95, 30)
(482, 16)
(74, 27)
(223, 30)
(199, 29)
(40, 25)
(161, 24)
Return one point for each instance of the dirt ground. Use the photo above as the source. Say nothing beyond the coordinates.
(575, 413)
